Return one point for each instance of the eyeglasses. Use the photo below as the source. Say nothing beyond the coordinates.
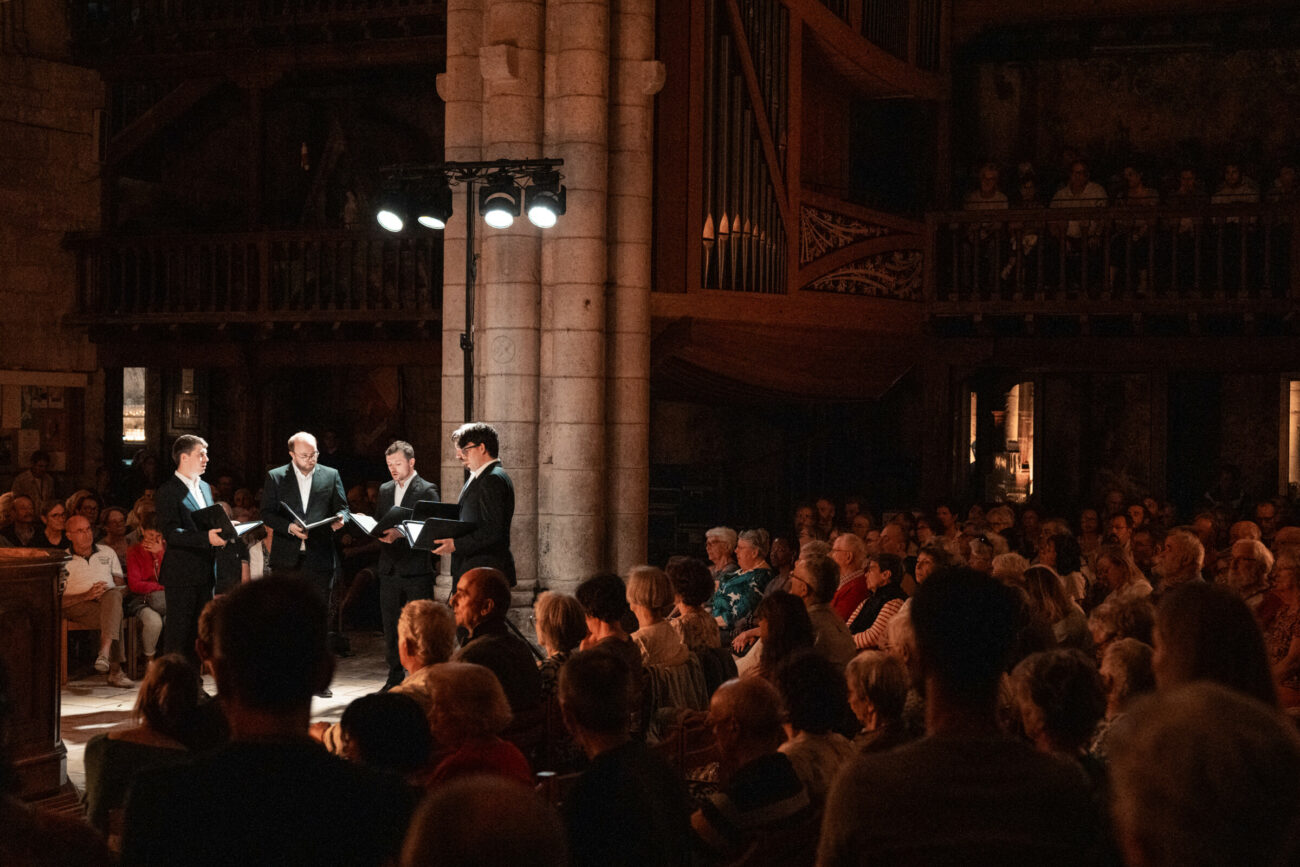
(306, 457)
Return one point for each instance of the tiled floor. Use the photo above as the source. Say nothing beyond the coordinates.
(90, 706)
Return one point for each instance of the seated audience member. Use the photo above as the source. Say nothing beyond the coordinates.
(781, 555)
(87, 505)
(93, 596)
(561, 627)
(55, 518)
(650, 597)
(114, 518)
(692, 591)
(720, 545)
(815, 698)
(981, 554)
(628, 807)
(1282, 629)
(967, 793)
(877, 690)
(164, 714)
(243, 506)
(143, 512)
(1178, 562)
(468, 714)
(1205, 632)
(1061, 699)
(23, 528)
(761, 792)
(36, 483)
(1248, 571)
(815, 579)
(1236, 188)
(1204, 776)
(426, 636)
(270, 794)
(739, 592)
(1047, 597)
(1121, 575)
(1245, 530)
(850, 555)
(784, 629)
(1130, 258)
(1010, 568)
(1127, 675)
(604, 602)
(38, 838)
(461, 823)
(1143, 545)
(1061, 552)
(869, 620)
(480, 603)
(143, 560)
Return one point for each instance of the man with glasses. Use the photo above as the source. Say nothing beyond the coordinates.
(487, 500)
(92, 597)
(313, 493)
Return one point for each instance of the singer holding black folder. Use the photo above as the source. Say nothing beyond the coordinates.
(487, 500)
(405, 574)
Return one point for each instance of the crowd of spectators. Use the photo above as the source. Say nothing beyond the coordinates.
(983, 685)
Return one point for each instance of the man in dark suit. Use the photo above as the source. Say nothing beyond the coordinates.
(487, 500)
(187, 572)
(314, 493)
(404, 573)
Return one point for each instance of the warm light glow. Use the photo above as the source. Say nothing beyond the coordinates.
(390, 221)
(431, 222)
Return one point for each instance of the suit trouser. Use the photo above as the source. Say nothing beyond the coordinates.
(394, 592)
(104, 614)
(184, 604)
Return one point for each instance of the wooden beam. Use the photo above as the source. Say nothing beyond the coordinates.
(158, 117)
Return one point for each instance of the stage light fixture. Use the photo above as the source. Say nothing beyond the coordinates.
(433, 205)
(544, 199)
(394, 209)
(498, 201)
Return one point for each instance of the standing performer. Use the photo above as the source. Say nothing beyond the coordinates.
(404, 573)
(313, 493)
(488, 500)
(188, 572)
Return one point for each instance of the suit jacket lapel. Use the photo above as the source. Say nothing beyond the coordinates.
(464, 489)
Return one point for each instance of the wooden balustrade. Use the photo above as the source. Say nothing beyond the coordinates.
(1229, 253)
(263, 276)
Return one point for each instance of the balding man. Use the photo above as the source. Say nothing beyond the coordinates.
(314, 493)
(850, 555)
(480, 603)
(760, 790)
(92, 596)
(1178, 562)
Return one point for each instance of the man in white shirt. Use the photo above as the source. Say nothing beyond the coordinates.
(1082, 239)
(92, 597)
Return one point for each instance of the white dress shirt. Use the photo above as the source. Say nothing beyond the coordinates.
(195, 489)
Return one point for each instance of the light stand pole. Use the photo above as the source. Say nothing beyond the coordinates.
(471, 275)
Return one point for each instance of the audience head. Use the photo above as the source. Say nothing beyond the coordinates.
(271, 652)
(884, 569)
(1206, 632)
(114, 518)
(168, 697)
(816, 577)
(849, 553)
(930, 558)
(813, 692)
(981, 554)
(782, 553)
(387, 731)
(461, 823)
(482, 594)
(1047, 593)
(468, 703)
(23, 510)
(55, 514)
(720, 543)
(205, 642)
(426, 630)
(753, 546)
(1182, 556)
(784, 626)
(1250, 565)
(1061, 698)
(81, 535)
(745, 715)
(691, 580)
(965, 623)
(593, 691)
(648, 587)
(1069, 557)
(561, 623)
(1245, 530)
(877, 688)
(604, 599)
(1009, 568)
(1126, 671)
(1204, 776)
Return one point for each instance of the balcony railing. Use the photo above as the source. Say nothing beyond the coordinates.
(259, 277)
(179, 23)
(911, 30)
(1226, 253)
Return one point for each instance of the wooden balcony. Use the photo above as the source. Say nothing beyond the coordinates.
(260, 278)
(911, 30)
(1237, 264)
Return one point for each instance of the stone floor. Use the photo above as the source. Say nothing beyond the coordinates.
(90, 706)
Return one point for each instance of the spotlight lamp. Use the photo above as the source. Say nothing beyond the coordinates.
(544, 199)
(498, 201)
(433, 205)
(394, 209)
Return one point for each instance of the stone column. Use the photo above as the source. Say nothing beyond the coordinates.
(461, 89)
(637, 77)
(506, 346)
(571, 456)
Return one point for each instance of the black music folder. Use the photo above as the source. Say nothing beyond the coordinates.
(215, 518)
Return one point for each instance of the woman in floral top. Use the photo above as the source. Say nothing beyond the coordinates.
(739, 593)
